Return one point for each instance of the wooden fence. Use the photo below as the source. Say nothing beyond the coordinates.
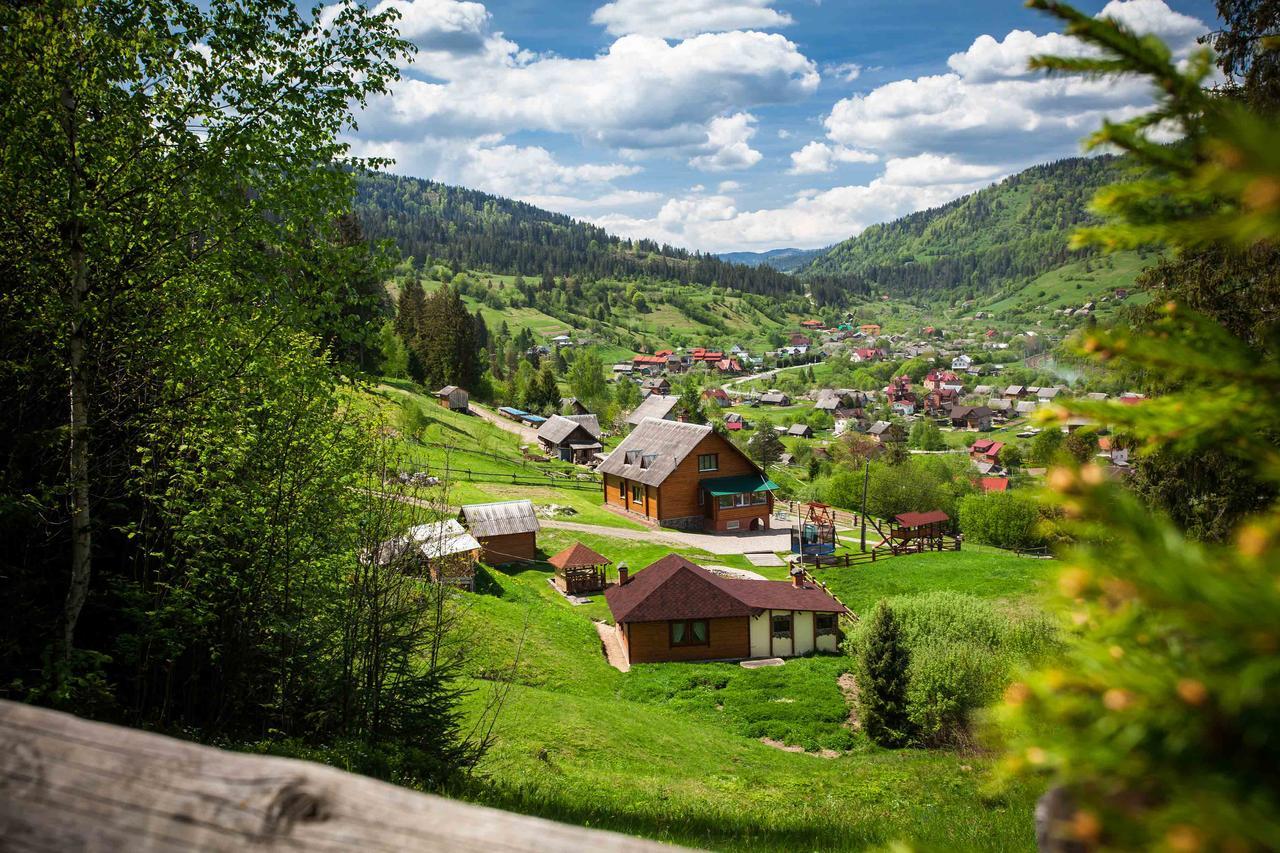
(70, 784)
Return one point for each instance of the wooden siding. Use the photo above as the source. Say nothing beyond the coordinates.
(510, 548)
(650, 642)
(679, 492)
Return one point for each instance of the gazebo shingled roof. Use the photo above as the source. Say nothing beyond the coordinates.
(578, 556)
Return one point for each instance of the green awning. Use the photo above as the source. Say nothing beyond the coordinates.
(742, 484)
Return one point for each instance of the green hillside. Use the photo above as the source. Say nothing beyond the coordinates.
(990, 242)
(432, 221)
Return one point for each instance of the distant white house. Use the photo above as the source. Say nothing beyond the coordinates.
(961, 362)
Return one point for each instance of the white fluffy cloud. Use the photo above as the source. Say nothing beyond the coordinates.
(676, 19)
(990, 108)
(642, 93)
(812, 218)
(817, 157)
(728, 145)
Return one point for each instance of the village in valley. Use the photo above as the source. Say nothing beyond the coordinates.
(741, 508)
(724, 424)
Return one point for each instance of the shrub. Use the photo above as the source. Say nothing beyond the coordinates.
(949, 681)
(1002, 519)
(961, 652)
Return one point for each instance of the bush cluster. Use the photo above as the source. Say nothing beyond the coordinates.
(960, 652)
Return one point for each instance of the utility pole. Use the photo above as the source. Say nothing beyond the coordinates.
(866, 478)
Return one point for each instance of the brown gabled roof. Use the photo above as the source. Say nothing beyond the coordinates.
(578, 556)
(559, 428)
(919, 519)
(654, 450)
(674, 588)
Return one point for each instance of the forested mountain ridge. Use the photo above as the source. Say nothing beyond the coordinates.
(786, 260)
(426, 219)
(1002, 235)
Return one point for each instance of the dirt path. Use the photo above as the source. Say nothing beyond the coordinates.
(528, 436)
(615, 532)
(612, 647)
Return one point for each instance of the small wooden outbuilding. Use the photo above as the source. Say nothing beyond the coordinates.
(579, 569)
(453, 398)
(506, 530)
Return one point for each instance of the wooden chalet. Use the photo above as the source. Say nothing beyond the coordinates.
(570, 438)
(579, 570)
(443, 551)
(657, 385)
(675, 610)
(686, 476)
(506, 531)
(971, 417)
(887, 431)
(774, 397)
(453, 398)
(800, 431)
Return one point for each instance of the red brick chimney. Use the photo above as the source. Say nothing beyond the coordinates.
(797, 576)
(624, 574)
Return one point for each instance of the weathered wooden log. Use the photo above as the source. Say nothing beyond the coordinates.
(71, 784)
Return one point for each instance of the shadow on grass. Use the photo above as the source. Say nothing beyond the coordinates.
(669, 820)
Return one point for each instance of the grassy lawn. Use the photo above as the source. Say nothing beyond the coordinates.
(674, 751)
(977, 570)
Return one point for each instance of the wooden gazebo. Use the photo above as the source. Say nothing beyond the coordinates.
(579, 569)
(921, 531)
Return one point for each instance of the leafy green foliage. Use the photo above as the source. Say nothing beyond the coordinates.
(1003, 519)
(1157, 725)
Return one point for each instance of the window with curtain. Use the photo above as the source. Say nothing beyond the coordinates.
(690, 632)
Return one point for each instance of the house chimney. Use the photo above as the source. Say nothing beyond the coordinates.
(797, 576)
(624, 574)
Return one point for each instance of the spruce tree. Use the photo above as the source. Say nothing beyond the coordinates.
(409, 308)
(882, 680)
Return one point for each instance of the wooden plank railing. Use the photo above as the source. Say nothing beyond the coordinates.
(71, 784)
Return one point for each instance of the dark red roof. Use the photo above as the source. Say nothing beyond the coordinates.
(577, 556)
(674, 588)
(995, 484)
(919, 519)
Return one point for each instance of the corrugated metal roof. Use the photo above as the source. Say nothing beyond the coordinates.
(558, 428)
(501, 518)
(653, 406)
(664, 444)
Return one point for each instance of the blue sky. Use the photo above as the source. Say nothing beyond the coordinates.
(742, 124)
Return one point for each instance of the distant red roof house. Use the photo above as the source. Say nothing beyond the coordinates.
(867, 354)
(663, 353)
(799, 340)
(733, 426)
(986, 448)
(675, 610)
(728, 365)
(811, 324)
(649, 359)
(994, 484)
(716, 395)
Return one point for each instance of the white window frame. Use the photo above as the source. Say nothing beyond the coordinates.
(733, 525)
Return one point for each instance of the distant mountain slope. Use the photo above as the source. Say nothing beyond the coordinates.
(426, 219)
(780, 259)
(980, 244)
